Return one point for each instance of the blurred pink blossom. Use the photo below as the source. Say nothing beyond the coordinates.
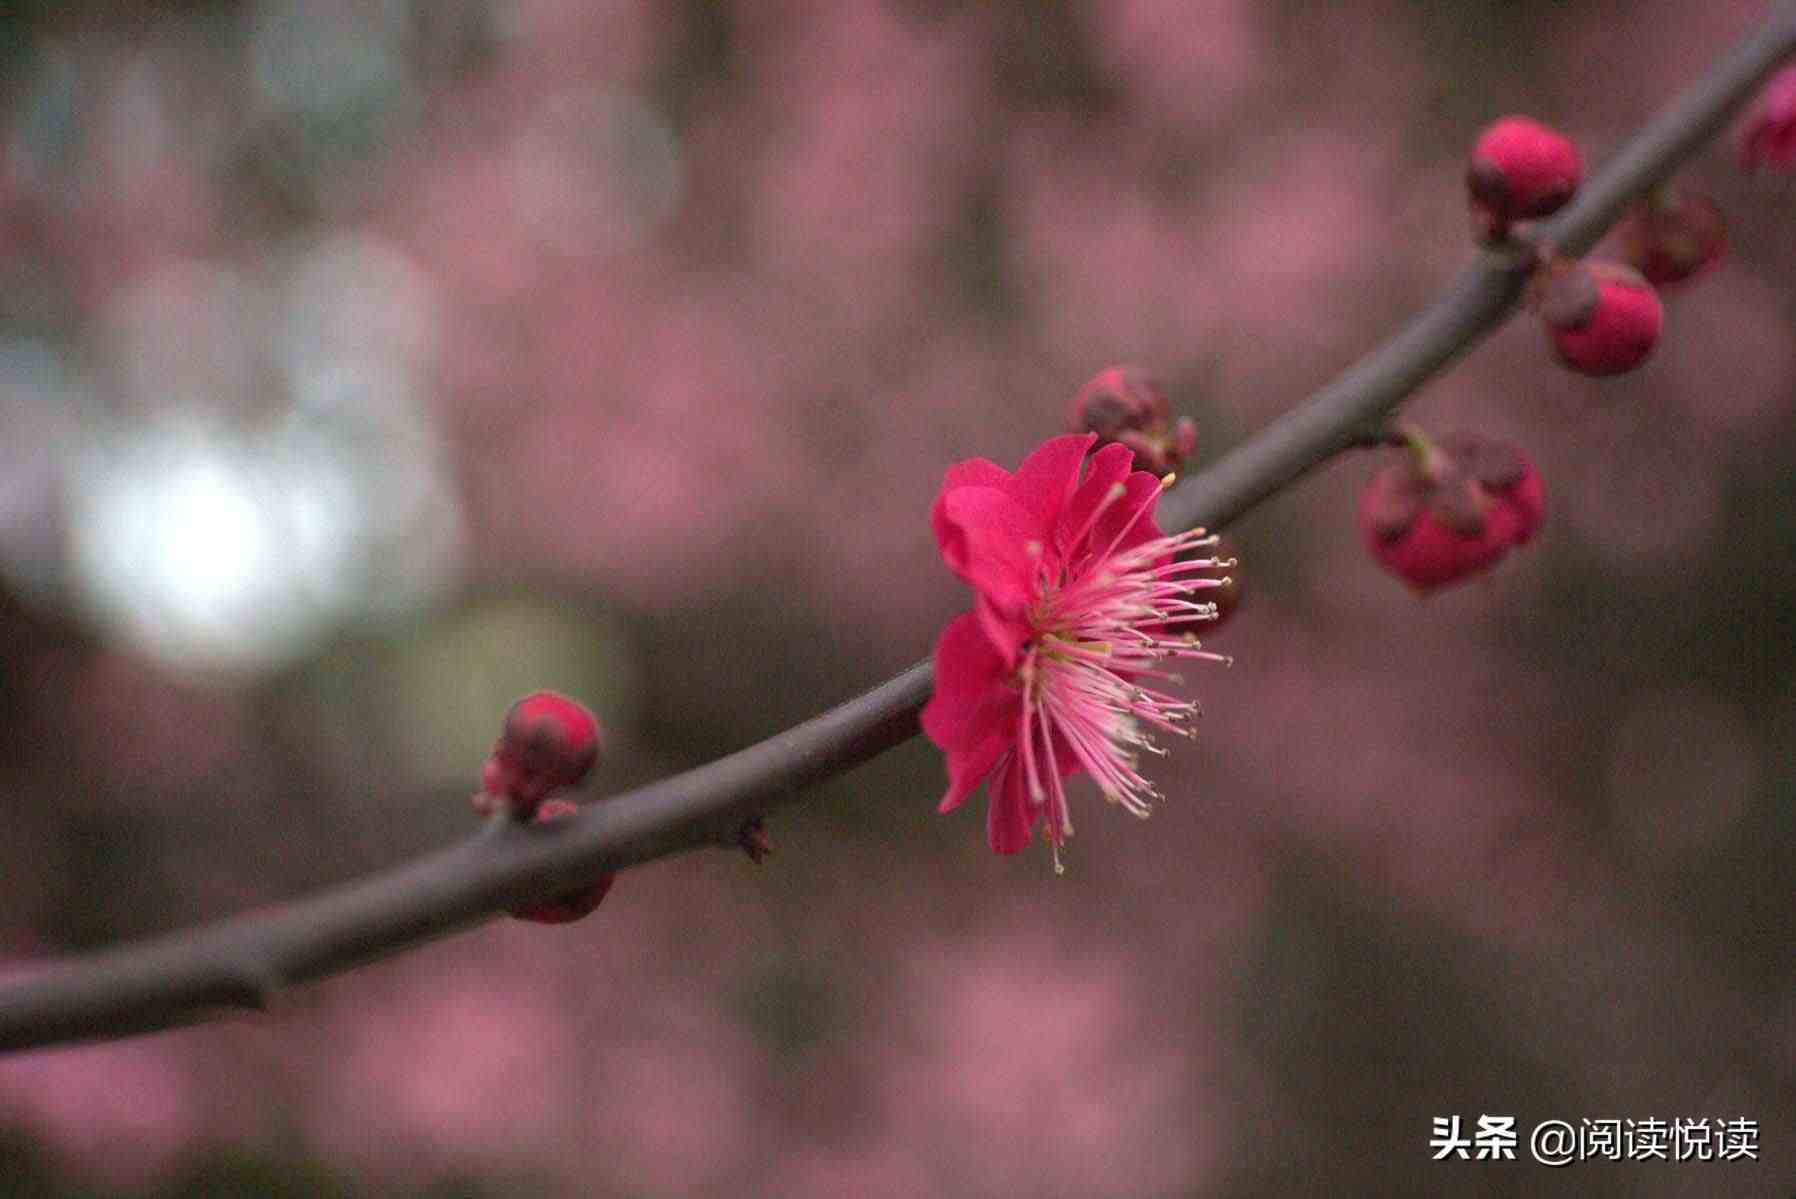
(467, 1064)
(1187, 62)
(1770, 138)
(124, 1114)
(1028, 1072)
(865, 152)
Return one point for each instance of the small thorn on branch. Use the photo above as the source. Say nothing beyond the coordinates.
(254, 984)
(753, 840)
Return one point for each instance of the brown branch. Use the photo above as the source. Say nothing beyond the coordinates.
(240, 962)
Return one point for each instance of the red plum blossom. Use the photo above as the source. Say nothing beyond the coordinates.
(1079, 597)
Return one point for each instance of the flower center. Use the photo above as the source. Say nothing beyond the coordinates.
(1104, 621)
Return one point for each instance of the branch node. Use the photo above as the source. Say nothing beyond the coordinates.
(752, 839)
(254, 983)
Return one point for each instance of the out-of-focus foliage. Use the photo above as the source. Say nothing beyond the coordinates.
(366, 364)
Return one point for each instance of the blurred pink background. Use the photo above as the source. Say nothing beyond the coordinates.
(365, 365)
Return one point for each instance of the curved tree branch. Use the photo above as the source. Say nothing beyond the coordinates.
(241, 962)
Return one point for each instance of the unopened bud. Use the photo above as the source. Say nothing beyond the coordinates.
(1447, 510)
(549, 743)
(1673, 238)
(1519, 170)
(1603, 318)
(1123, 404)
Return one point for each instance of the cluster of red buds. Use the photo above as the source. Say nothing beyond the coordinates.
(1601, 318)
(1453, 507)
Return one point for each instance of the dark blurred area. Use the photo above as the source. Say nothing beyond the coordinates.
(365, 364)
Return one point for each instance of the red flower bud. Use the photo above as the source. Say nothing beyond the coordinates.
(1122, 404)
(1520, 170)
(549, 742)
(1670, 239)
(1450, 509)
(564, 909)
(1770, 139)
(1603, 318)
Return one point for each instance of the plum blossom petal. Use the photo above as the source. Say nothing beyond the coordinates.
(992, 519)
(1120, 524)
(1010, 820)
(1047, 477)
(974, 472)
(1007, 629)
(1108, 469)
(967, 768)
(970, 701)
(995, 543)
